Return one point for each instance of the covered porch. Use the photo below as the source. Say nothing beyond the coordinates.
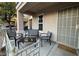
(25, 49)
(50, 17)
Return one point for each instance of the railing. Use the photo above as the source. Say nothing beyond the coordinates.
(31, 50)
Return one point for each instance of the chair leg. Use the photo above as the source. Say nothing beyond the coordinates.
(50, 42)
(18, 45)
(41, 43)
(34, 39)
(47, 40)
(15, 42)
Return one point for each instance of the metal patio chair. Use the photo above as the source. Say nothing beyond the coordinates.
(12, 34)
(46, 36)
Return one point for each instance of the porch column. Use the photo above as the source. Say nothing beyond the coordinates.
(20, 26)
(30, 23)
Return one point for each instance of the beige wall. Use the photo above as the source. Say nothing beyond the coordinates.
(49, 23)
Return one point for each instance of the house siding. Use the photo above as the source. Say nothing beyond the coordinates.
(49, 23)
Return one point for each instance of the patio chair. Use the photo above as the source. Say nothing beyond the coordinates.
(12, 34)
(33, 34)
(18, 39)
(46, 36)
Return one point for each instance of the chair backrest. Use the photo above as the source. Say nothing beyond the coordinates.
(33, 32)
(11, 33)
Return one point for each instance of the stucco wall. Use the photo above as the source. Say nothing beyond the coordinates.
(49, 23)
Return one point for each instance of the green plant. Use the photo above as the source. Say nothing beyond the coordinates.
(7, 11)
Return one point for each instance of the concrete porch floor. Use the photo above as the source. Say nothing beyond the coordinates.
(53, 50)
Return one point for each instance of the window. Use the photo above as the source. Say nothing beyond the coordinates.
(41, 22)
(40, 19)
(40, 26)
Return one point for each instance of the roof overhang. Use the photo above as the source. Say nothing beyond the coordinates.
(39, 7)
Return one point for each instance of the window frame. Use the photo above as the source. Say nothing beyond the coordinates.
(40, 21)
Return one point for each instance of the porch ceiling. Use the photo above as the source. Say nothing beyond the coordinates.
(39, 7)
